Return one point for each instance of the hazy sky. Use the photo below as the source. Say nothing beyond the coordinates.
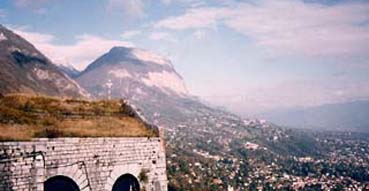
(250, 56)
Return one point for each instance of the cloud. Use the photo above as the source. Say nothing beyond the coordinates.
(130, 34)
(159, 35)
(191, 3)
(85, 50)
(162, 36)
(194, 18)
(131, 8)
(310, 29)
(199, 34)
(287, 27)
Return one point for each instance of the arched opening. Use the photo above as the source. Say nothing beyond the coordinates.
(60, 183)
(126, 182)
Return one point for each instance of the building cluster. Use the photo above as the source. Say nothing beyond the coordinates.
(217, 151)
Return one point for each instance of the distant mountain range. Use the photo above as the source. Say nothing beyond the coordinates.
(24, 69)
(71, 71)
(349, 116)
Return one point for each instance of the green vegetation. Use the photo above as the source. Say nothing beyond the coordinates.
(25, 117)
(143, 176)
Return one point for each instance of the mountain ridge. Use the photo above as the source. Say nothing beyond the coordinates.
(344, 116)
(26, 70)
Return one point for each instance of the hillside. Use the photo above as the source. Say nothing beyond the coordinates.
(25, 117)
(24, 69)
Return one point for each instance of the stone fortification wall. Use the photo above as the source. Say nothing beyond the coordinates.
(95, 164)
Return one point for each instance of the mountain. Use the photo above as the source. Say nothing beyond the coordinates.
(24, 69)
(71, 71)
(141, 66)
(349, 116)
(146, 79)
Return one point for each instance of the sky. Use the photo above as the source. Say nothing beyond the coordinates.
(249, 56)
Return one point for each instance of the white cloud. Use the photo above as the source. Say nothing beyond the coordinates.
(130, 34)
(287, 26)
(162, 36)
(85, 50)
(199, 34)
(310, 29)
(191, 3)
(194, 18)
(132, 8)
(158, 35)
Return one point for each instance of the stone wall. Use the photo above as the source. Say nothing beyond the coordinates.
(94, 164)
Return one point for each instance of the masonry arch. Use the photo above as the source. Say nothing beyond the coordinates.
(60, 183)
(132, 169)
(126, 182)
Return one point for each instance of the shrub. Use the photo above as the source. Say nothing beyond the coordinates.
(143, 176)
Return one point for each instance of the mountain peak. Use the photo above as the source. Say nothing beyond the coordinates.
(120, 55)
(120, 49)
(132, 70)
(138, 54)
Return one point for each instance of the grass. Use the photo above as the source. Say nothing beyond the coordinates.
(25, 117)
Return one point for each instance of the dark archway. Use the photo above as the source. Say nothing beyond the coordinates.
(60, 183)
(126, 182)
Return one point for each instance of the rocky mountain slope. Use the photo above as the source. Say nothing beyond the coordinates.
(146, 79)
(24, 69)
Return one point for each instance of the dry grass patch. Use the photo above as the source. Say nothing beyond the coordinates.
(16, 132)
(26, 117)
